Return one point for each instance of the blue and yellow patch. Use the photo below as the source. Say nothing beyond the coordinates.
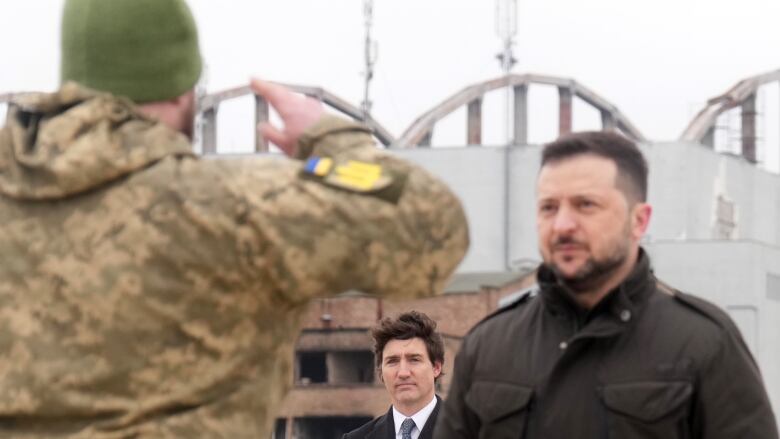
(352, 175)
(358, 175)
(319, 166)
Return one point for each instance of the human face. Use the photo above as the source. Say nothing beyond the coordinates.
(408, 374)
(588, 232)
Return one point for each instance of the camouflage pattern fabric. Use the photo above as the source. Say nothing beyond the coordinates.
(147, 293)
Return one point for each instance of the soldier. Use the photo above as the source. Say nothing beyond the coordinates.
(604, 350)
(147, 293)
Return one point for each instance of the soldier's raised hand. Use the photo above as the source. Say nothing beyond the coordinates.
(296, 111)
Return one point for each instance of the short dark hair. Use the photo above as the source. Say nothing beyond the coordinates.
(406, 326)
(631, 164)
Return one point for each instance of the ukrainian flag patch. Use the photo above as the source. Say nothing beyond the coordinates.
(351, 175)
(319, 166)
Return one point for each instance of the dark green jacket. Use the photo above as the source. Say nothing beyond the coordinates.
(647, 362)
(147, 293)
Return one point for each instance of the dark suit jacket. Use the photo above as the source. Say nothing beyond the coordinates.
(383, 427)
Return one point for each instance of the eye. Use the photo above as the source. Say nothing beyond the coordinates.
(586, 204)
(547, 208)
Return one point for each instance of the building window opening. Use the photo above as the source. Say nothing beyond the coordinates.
(351, 367)
(280, 429)
(312, 367)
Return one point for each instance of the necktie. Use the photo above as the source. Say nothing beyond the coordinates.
(406, 428)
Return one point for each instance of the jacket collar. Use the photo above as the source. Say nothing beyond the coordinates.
(385, 427)
(622, 303)
(59, 144)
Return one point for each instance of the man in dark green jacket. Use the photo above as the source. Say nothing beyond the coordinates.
(603, 349)
(146, 293)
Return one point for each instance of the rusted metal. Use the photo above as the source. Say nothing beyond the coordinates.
(702, 126)
(564, 110)
(521, 114)
(474, 122)
(261, 115)
(749, 128)
(425, 123)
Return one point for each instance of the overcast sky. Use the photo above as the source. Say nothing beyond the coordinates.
(658, 61)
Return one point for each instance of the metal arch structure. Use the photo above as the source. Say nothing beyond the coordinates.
(702, 128)
(420, 132)
(209, 106)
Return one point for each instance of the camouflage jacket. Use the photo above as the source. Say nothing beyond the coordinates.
(147, 293)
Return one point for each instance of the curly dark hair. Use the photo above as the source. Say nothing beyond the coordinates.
(405, 326)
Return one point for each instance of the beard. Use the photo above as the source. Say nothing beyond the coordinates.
(188, 118)
(594, 271)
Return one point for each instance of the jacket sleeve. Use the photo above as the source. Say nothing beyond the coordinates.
(731, 402)
(456, 420)
(313, 238)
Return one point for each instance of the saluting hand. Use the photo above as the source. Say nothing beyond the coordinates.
(296, 111)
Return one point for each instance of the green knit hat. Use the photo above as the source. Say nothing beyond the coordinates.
(146, 50)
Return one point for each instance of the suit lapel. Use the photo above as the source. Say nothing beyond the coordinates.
(427, 431)
(384, 427)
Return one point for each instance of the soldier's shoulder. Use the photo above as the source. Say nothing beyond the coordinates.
(506, 308)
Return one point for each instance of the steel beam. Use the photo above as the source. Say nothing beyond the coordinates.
(749, 128)
(426, 140)
(521, 114)
(474, 122)
(210, 131)
(261, 115)
(608, 121)
(564, 110)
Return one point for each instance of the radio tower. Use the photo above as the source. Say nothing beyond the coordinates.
(370, 52)
(506, 29)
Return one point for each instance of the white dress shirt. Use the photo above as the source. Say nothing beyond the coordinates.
(419, 419)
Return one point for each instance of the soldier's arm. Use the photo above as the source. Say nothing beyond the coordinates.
(731, 402)
(351, 216)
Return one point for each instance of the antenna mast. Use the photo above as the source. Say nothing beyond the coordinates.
(370, 54)
(506, 29)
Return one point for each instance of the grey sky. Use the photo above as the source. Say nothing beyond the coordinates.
(658, 61)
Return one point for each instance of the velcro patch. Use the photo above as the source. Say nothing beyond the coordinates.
(356, 176)
(352, 175)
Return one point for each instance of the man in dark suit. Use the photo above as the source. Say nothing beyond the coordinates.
(409, 355)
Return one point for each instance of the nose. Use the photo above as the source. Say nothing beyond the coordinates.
(564, 221)
(403, 370)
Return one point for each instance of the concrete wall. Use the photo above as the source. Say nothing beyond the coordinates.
(479, 176)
